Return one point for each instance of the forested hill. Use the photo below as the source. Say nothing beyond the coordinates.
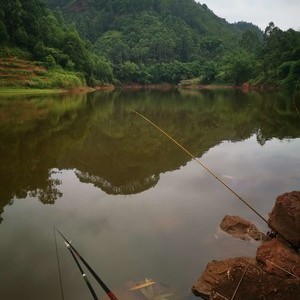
(147, 41)
(95, 17)
(153, 41)
(144, 31)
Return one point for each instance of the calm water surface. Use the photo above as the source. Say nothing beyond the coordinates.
(134, 204)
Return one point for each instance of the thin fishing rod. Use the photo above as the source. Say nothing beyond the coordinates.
(82, 272)
(204, 166)
(109, 293)
(58, 265)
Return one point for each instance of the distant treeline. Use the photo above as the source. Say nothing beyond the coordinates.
(149, 41)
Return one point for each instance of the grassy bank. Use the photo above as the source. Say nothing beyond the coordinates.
(19, 75)
(5, 91)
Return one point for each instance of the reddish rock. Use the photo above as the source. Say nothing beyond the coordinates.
(285, 217)
(241, 228)
(274, 274)
(255, 284)
(221, 279)
(214, 272)
(278, 258)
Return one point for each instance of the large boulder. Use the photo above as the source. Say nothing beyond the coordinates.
(241, 228)
(285, 217)
(216, 271)
(245, 280)
(274, 274)
(279, 259)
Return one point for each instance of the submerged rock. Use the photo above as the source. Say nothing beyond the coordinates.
(285, 217)
(241, 228)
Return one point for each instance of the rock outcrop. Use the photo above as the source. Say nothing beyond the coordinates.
(279, 259)
(275, 272)
(221, 280)
(215, 272)
(285, 217)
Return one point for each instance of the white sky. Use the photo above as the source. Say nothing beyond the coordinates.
(283, 13)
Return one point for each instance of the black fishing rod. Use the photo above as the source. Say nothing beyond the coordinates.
(82, 272)
(109, 293)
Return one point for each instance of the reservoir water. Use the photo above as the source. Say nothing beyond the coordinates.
(133, 203)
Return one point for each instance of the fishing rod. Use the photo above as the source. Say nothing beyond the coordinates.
(82, 272)
(204, 166)
(109, 293)
(212, 173)
(58, 265)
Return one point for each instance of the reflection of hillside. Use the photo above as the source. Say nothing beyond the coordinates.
(117, 151)
(128, 189)
(30, 146)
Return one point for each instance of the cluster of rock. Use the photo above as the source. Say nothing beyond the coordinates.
(275, 271)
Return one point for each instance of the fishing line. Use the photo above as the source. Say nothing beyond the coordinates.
(215, 176)
(275, 265)
(58, 265)
(240, 281)
(204, 166)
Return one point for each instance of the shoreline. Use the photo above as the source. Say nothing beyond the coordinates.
(246, 87)
(8, 91)
(29, 91)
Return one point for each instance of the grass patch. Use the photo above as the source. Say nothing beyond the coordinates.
(59, 79)
(189, 82)
(16, 73)
(27, 91)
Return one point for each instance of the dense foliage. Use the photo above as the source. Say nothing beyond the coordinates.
(150, 41)
(45, 37)
(281, 56)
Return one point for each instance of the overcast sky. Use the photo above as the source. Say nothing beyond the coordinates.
(283, 13)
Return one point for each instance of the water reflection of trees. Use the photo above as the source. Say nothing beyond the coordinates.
(115, 150)
(128, 189)
(48, 194)
(28, 148)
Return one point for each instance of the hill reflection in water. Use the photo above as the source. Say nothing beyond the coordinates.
(98, 136)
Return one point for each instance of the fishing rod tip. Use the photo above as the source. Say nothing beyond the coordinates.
(68, 244)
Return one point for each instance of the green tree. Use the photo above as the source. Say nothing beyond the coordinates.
(21, 37)
(103, 71)
(291, 79)
(113, 46)
(279, 47)
(249, 41)
(211, 47)
(209, 72)
(129, 72)
(239, 67)
(3, 33)
(76, 49)
(50, 61)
